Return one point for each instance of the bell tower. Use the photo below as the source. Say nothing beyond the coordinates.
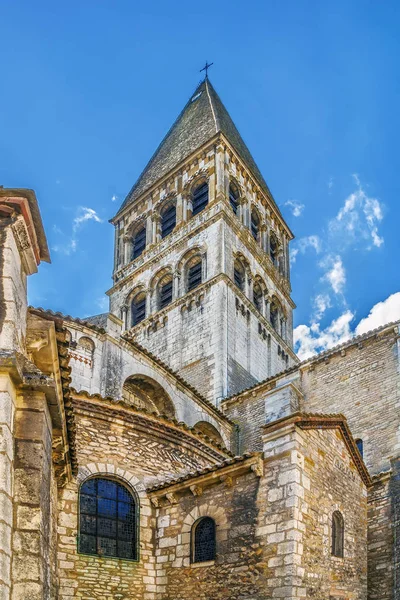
(201, 266)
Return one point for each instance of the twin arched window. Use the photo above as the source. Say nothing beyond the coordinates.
(337, 534)
(107, 519)
(203, 540)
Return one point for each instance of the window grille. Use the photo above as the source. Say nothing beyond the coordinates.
(255, 225)
(238, 276)
(107, 519)
(203, 540)
(257, 297)
(200, 198)
(166, 294)
(194, 276)
(233, 199)
(168, 221)
(138, 310)
(337, 534)
(360, 446)
(139, 243)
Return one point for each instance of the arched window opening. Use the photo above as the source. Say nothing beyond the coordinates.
(200, 198)
(209, 430)
(274, 250)
(168, 220)
(337, 534)
(138, 309)
(234, 198)
(139, 242)
(360, 446)
(257, 296)
(203, 540)
(274, 316)
(255, 224)
(165, 293)
(194, 275)
(107, 519)
(145, 393)
(239, 275)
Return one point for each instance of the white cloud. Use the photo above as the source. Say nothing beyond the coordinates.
(335, 273)
(70, 245)
(381, 313)
(310, 340)
(321, 304)
(297, 207)
(311, 241)
(114, 198)
(358, 219)
(330, 183)
(103, 303)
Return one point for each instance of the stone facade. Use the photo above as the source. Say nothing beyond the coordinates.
(192, 405)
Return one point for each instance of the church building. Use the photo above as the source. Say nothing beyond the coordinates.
(175, 447)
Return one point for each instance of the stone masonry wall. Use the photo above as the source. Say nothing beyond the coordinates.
(110, 444)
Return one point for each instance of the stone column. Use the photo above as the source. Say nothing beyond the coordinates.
(180, 217)
(31, 566)
(124, 311)
(7, 413)
(175, 286)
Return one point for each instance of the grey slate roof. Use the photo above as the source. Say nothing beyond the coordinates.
(201, 119)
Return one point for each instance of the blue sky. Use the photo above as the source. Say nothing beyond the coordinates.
(90, 88)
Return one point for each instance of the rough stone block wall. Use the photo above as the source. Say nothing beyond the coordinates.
(109, 444)
(380, 541)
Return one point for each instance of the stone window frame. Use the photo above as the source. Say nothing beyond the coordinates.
(188, 260)
(133, 230)
(190, 187)
(193, 541)
(337, 534)
(137, 290)
(236, 189)
(82, 478)
(163, 274)
(221, 530)
(165, 204)
(259, 281)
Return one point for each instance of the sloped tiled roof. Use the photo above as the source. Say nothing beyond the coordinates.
(201, 119)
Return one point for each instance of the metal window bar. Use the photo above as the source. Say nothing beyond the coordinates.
(200, 198)
(204, 543)
(194, 276)
(138, 310)
(238, 277)
(233, 200)
(107, 520)
(168, 221)
(139, 243)
(166, 294)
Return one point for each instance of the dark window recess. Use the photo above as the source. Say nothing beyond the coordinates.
(166, 294)
(360, 446)
(194, 276)
(138, 310)
(238, 277)
(107, 520)
(203, 544)
(257, 298)
(168, 221)
(255, 225)
(274, 317)
(233, 199)
(337, 534)
(273, 251)
(139, 243)
(200, 198)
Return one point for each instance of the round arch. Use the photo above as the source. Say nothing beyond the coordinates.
(144, 392)
(208, 429)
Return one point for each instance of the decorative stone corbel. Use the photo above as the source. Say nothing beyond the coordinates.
(196, 490)
(172, 498)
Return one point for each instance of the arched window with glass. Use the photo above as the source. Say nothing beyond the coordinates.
(168, 220)
(108, 519)
(360, 446)
(138, 308)
(200, 198)
(138, 242)
(234, 198)
(203, 540)
(337, 548)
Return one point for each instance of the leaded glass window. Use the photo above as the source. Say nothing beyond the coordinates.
(168, 221)
(200, 198)
(107, 519)
(203, 540)
(337, 534)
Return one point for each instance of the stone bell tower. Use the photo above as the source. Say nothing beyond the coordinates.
(201, 270)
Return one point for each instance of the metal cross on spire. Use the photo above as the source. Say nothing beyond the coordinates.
(205, 68)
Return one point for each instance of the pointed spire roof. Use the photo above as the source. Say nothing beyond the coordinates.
(201, 119)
